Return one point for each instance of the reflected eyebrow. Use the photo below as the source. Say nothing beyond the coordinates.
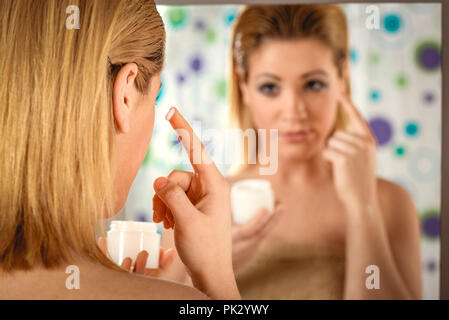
(314, 72)
(269, 75)
(305, 75)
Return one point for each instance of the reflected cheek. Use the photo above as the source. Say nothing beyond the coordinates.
(265, 112)
(325, 116)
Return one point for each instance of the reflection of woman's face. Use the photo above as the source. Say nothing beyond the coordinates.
(293, 86)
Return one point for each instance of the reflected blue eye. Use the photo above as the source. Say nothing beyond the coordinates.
(315, 85)
(268, 89)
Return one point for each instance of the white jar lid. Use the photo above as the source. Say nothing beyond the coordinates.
(133, 226)
(252, 185)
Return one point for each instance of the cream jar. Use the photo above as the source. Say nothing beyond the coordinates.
(248, 196)
(128, 238)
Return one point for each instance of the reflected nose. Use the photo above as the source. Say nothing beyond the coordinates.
(302, 109)
(295, 109)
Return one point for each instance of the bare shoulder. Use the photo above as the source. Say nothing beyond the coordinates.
(396, 203)
(95, 281)
(132, 286)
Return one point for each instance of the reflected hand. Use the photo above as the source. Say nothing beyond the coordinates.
(166, 258)
(352, 155)
(247, 237)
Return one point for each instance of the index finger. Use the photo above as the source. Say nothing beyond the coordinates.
(198, 156)
(356, 120)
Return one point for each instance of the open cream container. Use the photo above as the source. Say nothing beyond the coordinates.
(248, 196)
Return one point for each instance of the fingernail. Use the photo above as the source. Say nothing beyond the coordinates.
(145, 252)
(155, 217)
(170, 113)
(160, 183)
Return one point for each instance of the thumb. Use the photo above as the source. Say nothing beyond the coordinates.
(174, 198)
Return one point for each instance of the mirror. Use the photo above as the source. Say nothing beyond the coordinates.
(395, 82)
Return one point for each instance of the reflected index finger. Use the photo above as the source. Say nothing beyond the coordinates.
(356, 120)
(198, 156)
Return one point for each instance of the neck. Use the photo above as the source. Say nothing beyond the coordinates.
(308, 171)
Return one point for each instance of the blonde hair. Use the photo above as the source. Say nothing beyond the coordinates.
(258, 23)
(57, 124)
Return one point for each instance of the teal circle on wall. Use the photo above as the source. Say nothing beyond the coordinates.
(400, 150)
(374, 95)
(392, 22)
(161, 91)
(411, 128)
(353, 56)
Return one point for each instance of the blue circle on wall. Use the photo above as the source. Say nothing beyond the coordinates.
(200, 25)
(374, 95)
(229, 17)
(142, 216)
(180, 78)
(353, 55)
(431, 266)
(196, 63)
(411, 128)
(428, 98)
(428, 55)
(382, 129)
(396, 33)
(430, 223)
(392, 23)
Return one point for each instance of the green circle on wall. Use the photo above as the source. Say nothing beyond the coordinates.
(400, 150)
(177, 17)
(373, 58)
(222, 88)
(210, 35)
(402, 81)
(146, 160)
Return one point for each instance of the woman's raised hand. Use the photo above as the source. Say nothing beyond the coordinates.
(352, 154)
(197, 206)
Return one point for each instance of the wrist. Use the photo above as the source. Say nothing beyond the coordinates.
(357, 209)
(218, 285)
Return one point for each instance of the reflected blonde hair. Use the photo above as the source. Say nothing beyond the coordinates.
(258, 23)
(56, 121)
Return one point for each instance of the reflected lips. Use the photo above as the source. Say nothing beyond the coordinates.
(295, 136)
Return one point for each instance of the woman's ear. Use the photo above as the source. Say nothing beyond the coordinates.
(124, 96)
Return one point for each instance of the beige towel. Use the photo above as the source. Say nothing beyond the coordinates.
(292, 271)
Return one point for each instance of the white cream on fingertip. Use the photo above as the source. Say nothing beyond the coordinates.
(170, 113)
